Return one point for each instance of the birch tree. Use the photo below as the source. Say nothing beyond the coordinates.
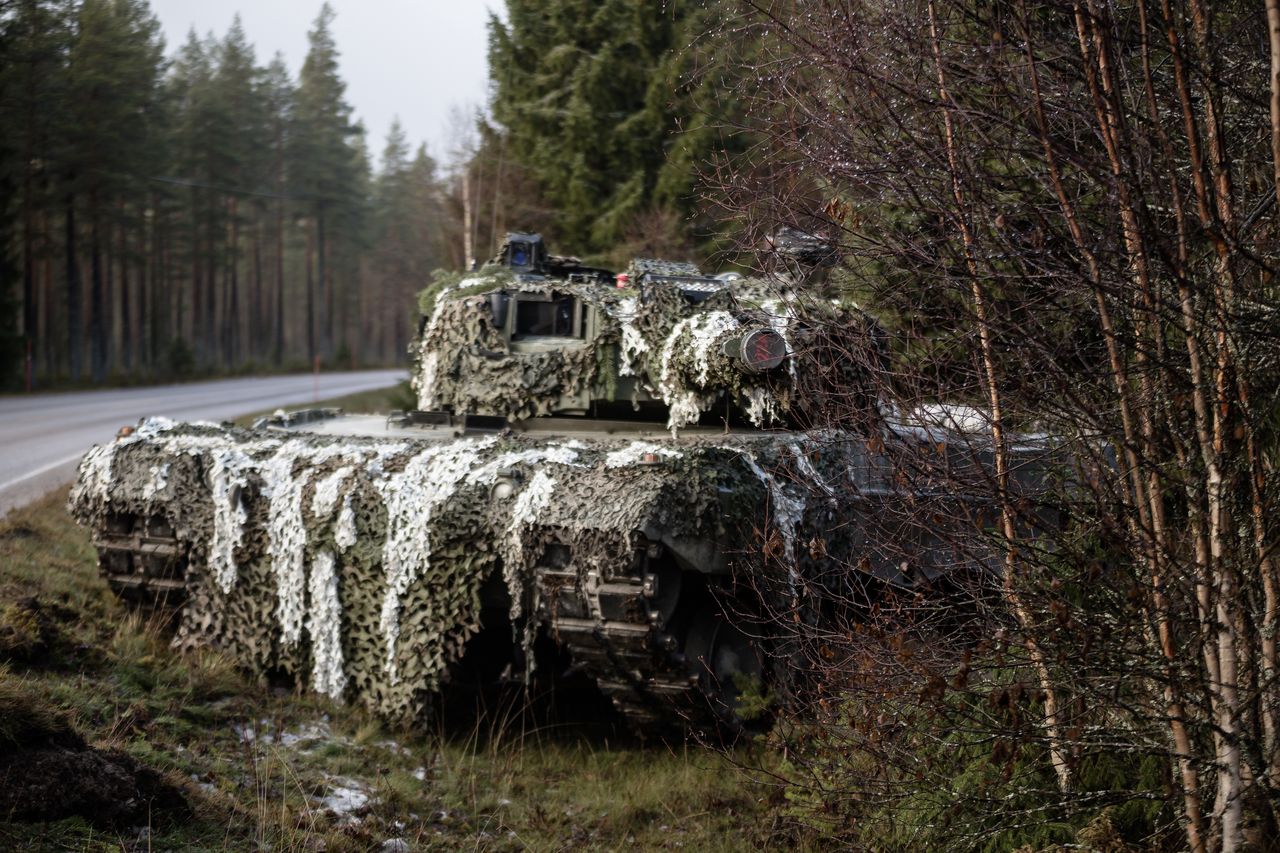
(1065, 215)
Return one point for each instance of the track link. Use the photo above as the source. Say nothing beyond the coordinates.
(143, 562)
(623, 631)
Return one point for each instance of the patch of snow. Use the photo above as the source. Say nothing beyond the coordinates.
(316, 731)
(344, 795)
(634, 452)
(392, 747)
(249, 732)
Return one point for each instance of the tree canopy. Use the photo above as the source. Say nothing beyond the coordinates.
(596, 104)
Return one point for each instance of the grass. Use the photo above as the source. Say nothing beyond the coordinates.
(255, 762)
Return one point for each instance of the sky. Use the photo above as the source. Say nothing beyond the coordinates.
(419, 59)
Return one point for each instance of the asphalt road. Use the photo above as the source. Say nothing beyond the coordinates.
(43, 436)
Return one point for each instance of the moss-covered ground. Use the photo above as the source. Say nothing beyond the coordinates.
(263, 766)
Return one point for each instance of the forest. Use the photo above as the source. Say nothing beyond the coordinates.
(194, 211)
(204, 214)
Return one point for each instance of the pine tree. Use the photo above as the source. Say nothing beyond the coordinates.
(321, 168)
(114, 67)
(162, 220)
(34, 38)
(240, 144)
(190, 85)
(277, 94)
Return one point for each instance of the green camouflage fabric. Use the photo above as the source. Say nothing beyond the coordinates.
(355, 564)
(672, 349)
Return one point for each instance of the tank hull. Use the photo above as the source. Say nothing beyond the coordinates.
(362, 558)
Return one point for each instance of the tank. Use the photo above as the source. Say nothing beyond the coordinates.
(599, 466)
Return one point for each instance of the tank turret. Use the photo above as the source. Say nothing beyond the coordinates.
(534, 335)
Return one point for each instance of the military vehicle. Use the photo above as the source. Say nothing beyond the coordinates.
(598, 464)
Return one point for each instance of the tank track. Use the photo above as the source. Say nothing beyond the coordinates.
(645, 650)
(624, 632)
(143, 562)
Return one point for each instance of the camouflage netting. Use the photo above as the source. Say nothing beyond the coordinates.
(674, 348)
(355, 564)
(464, 362)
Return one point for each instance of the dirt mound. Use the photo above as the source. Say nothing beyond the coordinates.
(106, 788)
(48, 772)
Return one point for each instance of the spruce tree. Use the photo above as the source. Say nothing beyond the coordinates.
(114, 68)
(589, 99)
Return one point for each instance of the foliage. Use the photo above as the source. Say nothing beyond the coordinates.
(1066, 212)
(603, 108)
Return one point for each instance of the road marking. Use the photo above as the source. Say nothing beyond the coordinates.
(41, 470)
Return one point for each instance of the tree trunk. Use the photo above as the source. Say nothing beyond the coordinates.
(311, 298)
(98, 329)
(48, 317)
(126, 305)
(75, 322)
(1273, 39)
(232, 320)
(326, 289)
(1058, 756)
(146, 235)
(467, 248)
(278, 348)
(258, 310)
(30, 313)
